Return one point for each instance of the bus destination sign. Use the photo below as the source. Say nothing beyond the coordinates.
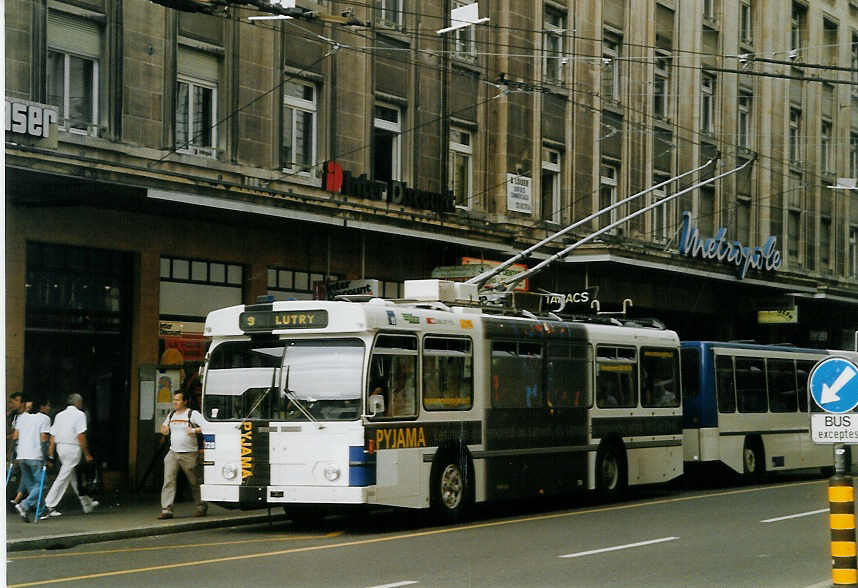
(282, 319)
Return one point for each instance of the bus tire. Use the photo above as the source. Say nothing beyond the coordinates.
(612, 475)
(452, 488)
(753, 459)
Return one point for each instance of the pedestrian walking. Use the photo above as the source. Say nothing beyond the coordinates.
(32, 431)
(182, 425)
(15, 406)
(68, 442)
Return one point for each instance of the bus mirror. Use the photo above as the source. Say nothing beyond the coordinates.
(376, 404)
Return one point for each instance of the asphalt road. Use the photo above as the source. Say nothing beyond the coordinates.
(771, 535)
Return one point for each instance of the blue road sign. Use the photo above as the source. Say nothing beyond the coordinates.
(833, 384)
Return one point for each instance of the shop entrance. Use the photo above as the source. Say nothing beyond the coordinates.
(78, 339)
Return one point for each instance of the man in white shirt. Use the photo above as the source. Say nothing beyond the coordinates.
(182, 425)
(68, 438)
(31, 432)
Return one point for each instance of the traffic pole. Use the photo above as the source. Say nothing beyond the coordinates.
(841, 501)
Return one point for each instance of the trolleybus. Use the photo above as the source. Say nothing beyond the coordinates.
(745, 406)
(423, 404)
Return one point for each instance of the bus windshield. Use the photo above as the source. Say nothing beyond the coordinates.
(283, 380)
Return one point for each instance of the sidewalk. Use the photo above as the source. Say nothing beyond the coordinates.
(136, 516)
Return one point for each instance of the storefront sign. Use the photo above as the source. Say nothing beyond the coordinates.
(330, 290)
(473, 266)
(29, 118)
(283, 319)
(570, 301)
(397, 193)
(781, 316)
(518, 196)
(719, 248)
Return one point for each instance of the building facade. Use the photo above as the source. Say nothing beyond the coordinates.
(161, 163)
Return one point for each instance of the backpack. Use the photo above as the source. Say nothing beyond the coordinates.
(200, 442)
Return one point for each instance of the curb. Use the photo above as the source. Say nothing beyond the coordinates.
(66, 541)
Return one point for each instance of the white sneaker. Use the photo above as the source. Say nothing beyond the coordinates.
(22, 511)
(88, 504)
(50, 512)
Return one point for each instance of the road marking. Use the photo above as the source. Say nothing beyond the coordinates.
(179, 546)
(418, 534)
(618, 547)
(795, 516)
(396, 584)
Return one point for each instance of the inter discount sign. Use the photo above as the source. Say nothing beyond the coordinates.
(833, 388)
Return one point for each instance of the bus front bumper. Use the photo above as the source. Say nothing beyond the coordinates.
(249, 497)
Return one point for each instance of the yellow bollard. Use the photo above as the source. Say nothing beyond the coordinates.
(841, 500)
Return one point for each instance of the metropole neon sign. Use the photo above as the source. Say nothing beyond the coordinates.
(720, 249)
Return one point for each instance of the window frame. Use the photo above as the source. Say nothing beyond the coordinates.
(826, 128)
(707, 103)
(552, 59)
(64, 123)
(554, 169)
(611, 183)
(466, 151)
(746, 22)
(794, 143)
(611, 53)
(660, 216)
(744, 118)
(853, 251)
(464, 38)
(385, 12)
(853, 154)
(190, 148)
(305, 106)
(661, 74)
(396, 130)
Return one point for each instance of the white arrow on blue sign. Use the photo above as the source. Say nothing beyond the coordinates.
(833, 384)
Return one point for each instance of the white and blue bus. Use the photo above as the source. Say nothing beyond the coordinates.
(745, 406)
(310, 404)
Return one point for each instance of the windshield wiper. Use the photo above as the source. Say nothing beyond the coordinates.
(294, 400)
(263, 395)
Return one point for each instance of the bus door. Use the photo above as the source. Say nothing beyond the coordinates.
(393, 434)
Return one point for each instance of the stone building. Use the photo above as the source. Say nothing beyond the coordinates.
(160, 164)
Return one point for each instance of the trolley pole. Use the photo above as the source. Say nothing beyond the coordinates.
(841, 500)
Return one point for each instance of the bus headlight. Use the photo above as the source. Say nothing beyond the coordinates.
(229, 471)
(332, 472)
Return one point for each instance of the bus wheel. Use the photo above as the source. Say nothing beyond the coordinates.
(611, 473)
(451, 489)
(753, 462)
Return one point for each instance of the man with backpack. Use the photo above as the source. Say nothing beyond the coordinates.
(183, 425)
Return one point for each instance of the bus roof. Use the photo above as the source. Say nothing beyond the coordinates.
(319, 316)
(751, 346)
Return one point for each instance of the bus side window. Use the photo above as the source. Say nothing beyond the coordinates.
(751, 384)
(659, 387)
(616, 376)
(781, 380)
(803, 368)
(567, 376)
(725, 384)
(393, 374)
